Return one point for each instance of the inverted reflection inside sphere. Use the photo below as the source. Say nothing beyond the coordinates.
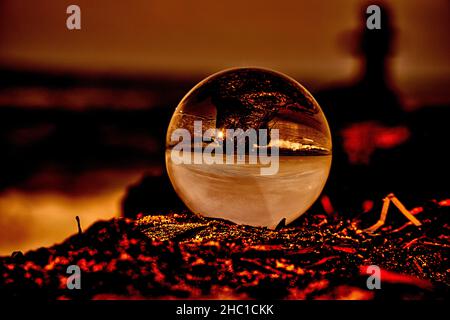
(248, 145)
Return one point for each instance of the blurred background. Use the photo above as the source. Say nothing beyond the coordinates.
(83, 113)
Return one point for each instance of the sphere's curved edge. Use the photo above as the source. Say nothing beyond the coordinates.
(195, 181)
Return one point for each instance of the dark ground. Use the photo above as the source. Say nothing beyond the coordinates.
(190, 257)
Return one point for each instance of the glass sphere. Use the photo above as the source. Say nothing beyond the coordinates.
(248, 145)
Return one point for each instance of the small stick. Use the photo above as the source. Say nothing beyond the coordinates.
(410, 243)
(405, 211)
(436, 244)
(383, 215)
(418, 267)
(386, 201)
(402, 227)
(80, 231)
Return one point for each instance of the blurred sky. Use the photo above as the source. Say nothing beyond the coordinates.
(310, 40)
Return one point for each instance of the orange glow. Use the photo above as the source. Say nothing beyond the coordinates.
(312, 39)
(31, 219)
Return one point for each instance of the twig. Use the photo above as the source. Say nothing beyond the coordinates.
(418, 267)
(386, 201)
(443, 245)
(384, 211)
(405, 211)
(80, 231)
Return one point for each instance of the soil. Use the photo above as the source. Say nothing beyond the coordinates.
(186, 256)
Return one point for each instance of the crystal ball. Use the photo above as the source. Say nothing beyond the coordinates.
(248, 145)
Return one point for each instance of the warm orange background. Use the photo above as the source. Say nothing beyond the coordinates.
(307, 39)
